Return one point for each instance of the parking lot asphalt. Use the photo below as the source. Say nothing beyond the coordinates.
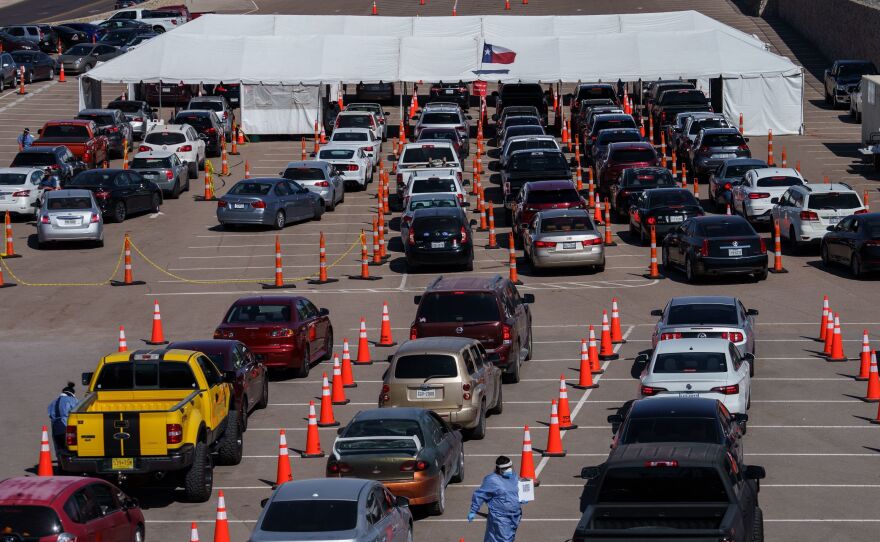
(807, 426)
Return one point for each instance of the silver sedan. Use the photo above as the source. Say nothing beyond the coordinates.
(268, 201)
(70, 215)
(563, 238)
(320, 177)
(337, 509)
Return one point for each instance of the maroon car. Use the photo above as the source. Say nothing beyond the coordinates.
(540, 196)
(284, 332)
(67, 509)
(621, 156)
(250, 387)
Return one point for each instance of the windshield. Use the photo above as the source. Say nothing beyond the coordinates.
(662, 485)
(563, 195)
(166, 375)
(304, 174)
(852, 70)
(671, 197)
(647, 179)
(93, 177)
(614, 136)
(670, 430)
(422, 366)
(30, 522)
(151, 163)
(723, 140)
(458, 307)
(425, 186)
(33, 159)
(349, 136)
(354, 121)
(690, 362)
(65, 130)
(79, 50)
(126, 107)
(566, 224)
(440, 118)
(683, 97)
(61, 204)
(426, 154)
(714, 314)
(698, 125)
(777, 181)
(449, 201)
(165, 138)
(834, 200)
(266, 314)
(737, 172)
(336, 154)
(538, 161)
(633, 155)
(738, 228)
(310, 516)
(12, 179)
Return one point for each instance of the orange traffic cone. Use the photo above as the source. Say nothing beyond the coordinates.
(593, 353)
(283, 474)
(824, 323)
(865, 365)
(377, 255)
(777, 251)
(10, 242)
(326, 419)
(313, 440)
(241, 135)
(365, 259)
(337, 396)
(493, 241)
(44, 467)
(837, 342)
(527, 461)
(322, 263)
(653, 271)
(221, 526)
(247, 170)
(770, 160)
(606, 351)
(741, 127)
(3, 283)
(873, 394)
(193, 532)
(616, 335)
(127, 279)
(514, 276)
(279, 270)
(363, 356)
(597, 213)
(564, 412)
(554, 437)
(829, 333)
(585, 381)
(157, 337)
(347, 373)
(385, 338)
(123, 344)
(61, 78)
(304, 155)
(609, 240)
(506, 5)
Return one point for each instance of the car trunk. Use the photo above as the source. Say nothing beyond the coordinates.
(674, 214)
(686, 384)
(567, 242)
(250, 332)
(733, 247)
(157, 175)
(436, 233)
(384, 465)
(688, 331)
(241, 203)
(70, 219)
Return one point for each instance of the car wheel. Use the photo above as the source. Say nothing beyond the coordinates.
(87, 68)
(192, 170)
(264, 398)
(793, 244)
(643, 236)
(51, 75)
(689, 271)
(761, 275)
(827, 98)
(458, 477)
(99, 243)
(231, 445)
(479, 431)
(342, 199)
(280, 220)
(856, 266)
(139, 534)
(437, 508)
(244, 413)
(29, 77)
(303, 371)
(513, 376)
(175, 190)
(156, 204)
(198, 482)
(319, 211)
(529, 351)
(119, 212)
(826, 258)
(158, 29)
(469, 266)
(331, 206)
(664, 257)
(2, 84)
(186, 185)
(757, 524)
(858, 116)
(201, 167)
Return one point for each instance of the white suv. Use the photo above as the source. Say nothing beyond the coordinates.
(182, 140)
(804, 213)
(753, 194)
(434, 181)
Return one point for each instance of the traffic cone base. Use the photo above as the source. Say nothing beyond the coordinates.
(873, 393)
(276, 287)
(361, 277)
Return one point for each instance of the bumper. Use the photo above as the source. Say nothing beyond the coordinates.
(466, 417)
(812, 234)
(257, 216)
(281, 356)
(325, 193)
(422, 256)
(175, 460)
(354, 177)
(594, 255)
(733, 266)
(47, 233)
(417, 491)
(760, 213)
(503, 353)
(19, 206)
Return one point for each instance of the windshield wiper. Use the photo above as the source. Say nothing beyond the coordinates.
(433, 376)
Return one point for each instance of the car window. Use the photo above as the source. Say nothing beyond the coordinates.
(104, 498)
(690, 362)
(304, 174)
(246, 188)
(479, 360)
(735, 357)
(85, 506)
(121, 180)
(422, 366)
(671, 429)
(434, 430)
(777, 181)
(301, 310)
(383, 504)
(212, 375)
(458, 307)
(702, 314)
(373, 513)
(469, 361)
(281, 189)
(835, 201)
(237, 357)
(167, 138)
(310, 516)
(246, 314)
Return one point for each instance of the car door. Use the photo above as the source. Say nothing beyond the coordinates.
(740, 370)
(512, 303)
(82, 507)
(438, 438)
(483, 376)
(748, 325)
(284, 199)
(322, 325)
(379, 517)
(308, 326)
(674, 244)
(300, 201)
(835, 240)
(255, 371)
(141, 190)
(731, 430)
(217, 392)
(115, 520)
(34, 184)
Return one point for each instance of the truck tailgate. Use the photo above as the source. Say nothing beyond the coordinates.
(652, 522)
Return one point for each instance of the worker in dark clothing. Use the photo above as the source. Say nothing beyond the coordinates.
(58, 412)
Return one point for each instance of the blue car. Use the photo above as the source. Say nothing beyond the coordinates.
(730, 172)
(268, 201)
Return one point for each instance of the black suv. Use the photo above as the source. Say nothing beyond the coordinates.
(671, 492)
(439, 236)
(522, 94)
(206, 124)
(113, 124)
(59, 159)
(456, 92)
(490, 310)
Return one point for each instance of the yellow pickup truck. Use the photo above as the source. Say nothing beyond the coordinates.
(152, 413)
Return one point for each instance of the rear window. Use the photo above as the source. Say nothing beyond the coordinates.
(60, 204)
(648, 179)
(30, 522)
(596, 93)
(436, 226)
(565, 195)
(354, 121)
(727, 229)
(433, 202)
(441, 135)
(604, 124)
(250, 189)
(424, 186)
(698, 125)
(671, 197)
(538, 161)
(740, 171)
(723, 140)
(65, 130)
(690, 362)
(310, 516)
(79, 50)
(125, 107)
(566, 224)
(423, 366)
(702, 314)
(522, 90)
(633, 155)
(100, 120)
(514, 131)
(670, 430)
(304, 174)
(682, 97)
(614, 137)
(834, 200)
(769, 182)
(537, 144)
(166, 375)
(847, 70)
(521, 120)
(248, 314)
(165, 138)
(336, 154)
(196, 121)
(387, 427)
(441, 118)
(151, 163)
(662, 485)
(426, 154)
(34, 159)
(458, 307)
(349, 136)
(209, 106)
(12, 179)
(92, 177)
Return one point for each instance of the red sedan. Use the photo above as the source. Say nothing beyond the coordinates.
(67, 509)
(283, 332)
(621, 156)
(539, 196)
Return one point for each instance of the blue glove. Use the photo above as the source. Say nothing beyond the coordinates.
(471, 516)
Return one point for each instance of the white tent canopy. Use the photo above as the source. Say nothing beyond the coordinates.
(311, 50)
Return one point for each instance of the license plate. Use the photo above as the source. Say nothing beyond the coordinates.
(426, 394)
(725, 155)
(122, 463)
(833, 219)
(168, 90)
(438, 244)
(734, 252)
(569, 246)
(148, 175)
(238, 205)
(448, 91)
(688, 394)
(2, 196)
(675, 218)
(71, 222)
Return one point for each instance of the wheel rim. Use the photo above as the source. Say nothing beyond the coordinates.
(156, 203)
(279, 220)
(120, 212)
(138, 536)
(856, 266)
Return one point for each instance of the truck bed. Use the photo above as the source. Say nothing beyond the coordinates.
(125, 401)
(653, 522)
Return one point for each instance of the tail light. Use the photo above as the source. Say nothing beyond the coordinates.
(704, 250)
(87, 156)
(102, 194)
(144, 148)
(669, 336)
(70, 434)
(466, 392)
(21, 194)
(44, 219)
(407, 219)
(283, 332)
(221, 203)
(658, 464)
(322, 183)
(94, 218)
(138, 119)
(112, 129)
(384, 397)
(591, 242)
(174, 22)
(168, 174)
(873, 243)
(173, 433)
(225, 115)
(727, 186)
(54, 166)
(809, 216)
(759, 195)
(462, 89)
(505, 333)
(704, 148)
(338, 467)
(185, 148)
(860, 212)
(743, 147)
(663, 116)
(414, 466)
(223, 334)
(260, 204)
(211, 131)
(464, 235)
(545, 244)
(732, 336)
(369, 149)
(351, 167)
(763, 245)
(413, 333)
(727, 390)
(650, 391)
(652, 220)
(411, 239)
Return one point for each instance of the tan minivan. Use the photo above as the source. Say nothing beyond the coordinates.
(453, 376)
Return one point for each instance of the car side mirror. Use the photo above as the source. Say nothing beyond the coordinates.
(386, 113)
(39, 131)
(339, 430)
(748, 356)
(312, 155)
(87, 378)
(657, 312)
(417, 299)
(754, 472)
(642, 359)
(401, 501)
(528, 298)
(740, 418)
(615, 419)
(590, 473)
(263, 502)
(746, 139)
(831, 228)
(774, 200)
(494, 93)
(752, 312)
(494, 116)
(323, 312)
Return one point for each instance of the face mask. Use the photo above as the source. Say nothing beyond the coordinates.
(507, 473)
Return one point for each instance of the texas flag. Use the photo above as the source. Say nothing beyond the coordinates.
(493, 54)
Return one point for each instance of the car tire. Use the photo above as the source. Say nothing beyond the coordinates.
(529, 351)
(99, 243)
(469, 266)
(690, 272)
(823, 254)
(231, 445)
(439, 506)
(156, 203)
(458, 477)
(664, 258)
(198, 481)
(827, 98)
(2, 84)
(498, 407)
(331, 206)
(643, 237)
(243, 413)
(478, 432)
(303, 371)
(599, 268)
(119, 212)
(192, 170)
(186, 185)
(29, 77)
(175, 190)
(158, 29)
(139, 534)
(761, 275)
(328, 354)
(264, 399)
(319, 211)
(280, 221)
(513, 376)
(87, 68)
(201, 167)
(855, 266)
(52, 74)
(758, 524)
